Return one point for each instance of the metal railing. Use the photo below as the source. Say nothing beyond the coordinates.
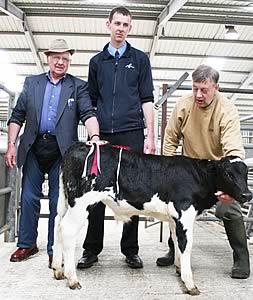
(8, 200)
(8, 183)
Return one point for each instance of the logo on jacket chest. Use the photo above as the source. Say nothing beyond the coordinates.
(129, 66)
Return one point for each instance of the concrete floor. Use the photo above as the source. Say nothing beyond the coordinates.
(111, 279)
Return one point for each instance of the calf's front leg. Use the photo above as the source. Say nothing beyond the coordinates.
(186, 272)
(184, 229)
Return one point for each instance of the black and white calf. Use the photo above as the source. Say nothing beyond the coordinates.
(173, 189)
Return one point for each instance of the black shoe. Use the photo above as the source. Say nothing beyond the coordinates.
(134, 261)
(87, 260)
(166, 260)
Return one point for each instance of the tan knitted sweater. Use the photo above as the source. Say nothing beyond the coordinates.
(211, 133)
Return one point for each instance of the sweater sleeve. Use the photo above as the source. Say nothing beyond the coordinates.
(231, 139)
(173, 134)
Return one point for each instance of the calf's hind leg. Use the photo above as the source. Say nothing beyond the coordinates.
(57, 247)
(57, 250)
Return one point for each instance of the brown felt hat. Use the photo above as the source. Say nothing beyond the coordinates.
(59, 46)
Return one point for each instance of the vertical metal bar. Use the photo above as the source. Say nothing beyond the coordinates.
(248, 225)
(163, 125)
(161, 232)
(156, 118)
(164, 116)
(17, 201)
(9, 235)
(10, 106)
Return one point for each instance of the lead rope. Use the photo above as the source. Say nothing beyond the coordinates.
(118, 170)
(96, 160)
(86, 161)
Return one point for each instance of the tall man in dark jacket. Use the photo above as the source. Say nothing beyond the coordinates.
(121, 87)
(50, 105)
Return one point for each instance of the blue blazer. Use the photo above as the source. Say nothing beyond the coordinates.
(29, 106)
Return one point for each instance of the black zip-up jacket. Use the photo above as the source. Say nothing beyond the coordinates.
(118, 89)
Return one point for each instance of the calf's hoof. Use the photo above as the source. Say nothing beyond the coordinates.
(193, 292)
(75, 286)
(58, 274)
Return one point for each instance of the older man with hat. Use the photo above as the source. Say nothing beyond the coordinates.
(50, 106)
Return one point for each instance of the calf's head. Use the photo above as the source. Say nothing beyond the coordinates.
(231, 178)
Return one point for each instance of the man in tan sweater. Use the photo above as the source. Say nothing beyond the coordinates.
(208, 124)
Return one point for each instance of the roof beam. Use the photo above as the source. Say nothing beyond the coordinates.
(206, 40)
(157, 80)
(217, 5)
(32, 45)
(78, 65)
(181, 55)
(12, 10)
(95, 7)
(168, 12)
(244, 84)
(223, 13)
(87, 34)
(78, 4)
(180, 17)
(201, 56)
(133, 36)
(16, 49)
(151, 16)
(192, 69)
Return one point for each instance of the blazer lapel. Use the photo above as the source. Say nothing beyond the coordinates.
(39, 91)
(66, 91)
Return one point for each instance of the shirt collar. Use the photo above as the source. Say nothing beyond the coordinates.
(49, 77)
(121, 50)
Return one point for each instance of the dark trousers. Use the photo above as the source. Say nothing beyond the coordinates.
(95, 232)
(33, 177)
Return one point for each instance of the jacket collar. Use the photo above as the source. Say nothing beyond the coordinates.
(107, 55)
(66, 92)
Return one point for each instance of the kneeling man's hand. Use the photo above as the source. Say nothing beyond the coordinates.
(224, 198)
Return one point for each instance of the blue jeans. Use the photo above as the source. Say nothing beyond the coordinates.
(31, 194)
